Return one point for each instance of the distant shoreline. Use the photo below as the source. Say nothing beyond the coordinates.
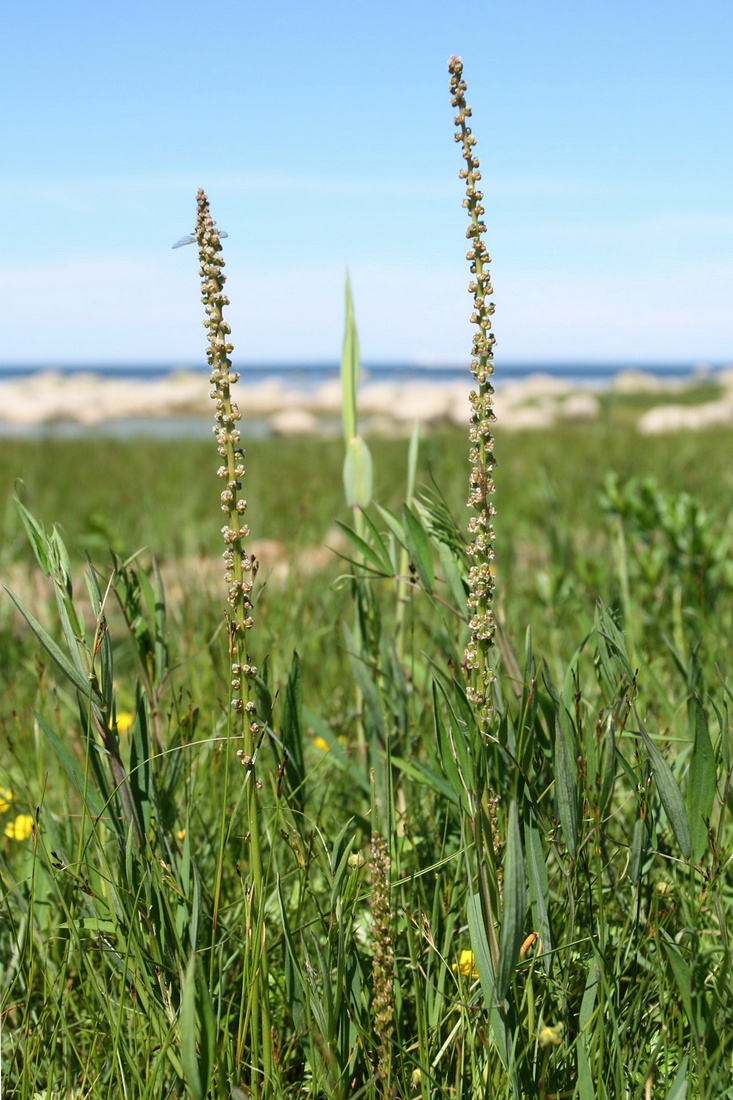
(307, 401)
(579, 371)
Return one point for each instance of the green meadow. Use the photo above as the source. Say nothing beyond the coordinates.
(602, 539)
(318, 783)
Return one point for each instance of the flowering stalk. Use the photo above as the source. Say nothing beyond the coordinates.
(481, 550)
(240, 572)
(383, 961)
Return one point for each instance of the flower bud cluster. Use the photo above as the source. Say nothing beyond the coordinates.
(481, 455)
(383, 958)
(239, 567)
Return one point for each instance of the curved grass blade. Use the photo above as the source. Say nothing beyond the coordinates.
(669, 792)
(700, 782)
(515, 904)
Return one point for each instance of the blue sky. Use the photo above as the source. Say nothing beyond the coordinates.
(322, 133)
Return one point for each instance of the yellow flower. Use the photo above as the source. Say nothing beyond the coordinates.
(124, 721)
(550, 1036)
(321, 744)
(21, 828)
(181, 834)
(466, 964)
(6, 797)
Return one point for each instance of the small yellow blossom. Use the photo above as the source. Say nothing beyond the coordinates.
(21, 828)
(181, 834)
(466, 964)
(319, 743)
(124, 721)
(550, 1036)
(6, 797)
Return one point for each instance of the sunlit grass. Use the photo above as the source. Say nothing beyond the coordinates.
(259, 842)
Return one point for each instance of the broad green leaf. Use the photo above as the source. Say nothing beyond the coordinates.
(426, 776)
(142, 782)
(482, 960)
(700, 782)
(318, 1010)
(189, 1056)
(366, 552)
(74, 771)
(446, 752)
(379, 544)
(57, 655)
(36, 537)
(452, 577)
(339, 860)
(393, 523)
(566, 784)
(419, 548)
(154, 596)
(198, 1044)
(349, 367)
(515, 904)
(721, 713)
(358, 476)
(337, 754)
(539, 891)
(453, 746)
(639, 850)
(669, 792)
(292, 733)
(295, 981)
(207, 1023)
(104, 645)
(683, 978)
(678, 1088)
(586, 1088)
(412, 455)
(607, 766)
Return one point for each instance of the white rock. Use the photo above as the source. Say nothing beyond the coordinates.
(580, 407)
(293, 422)
(691, 418)
(637, 381)
(527, 418)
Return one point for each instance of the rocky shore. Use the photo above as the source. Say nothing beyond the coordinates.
(539, 402)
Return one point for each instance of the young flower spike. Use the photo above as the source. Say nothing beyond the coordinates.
(481, 550)
(239, 568)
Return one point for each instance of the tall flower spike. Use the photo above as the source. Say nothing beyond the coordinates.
(383, 959)
(239, 567)
(477, 657)
(240, 570)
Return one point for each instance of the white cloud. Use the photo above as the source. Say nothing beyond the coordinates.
(135, 308)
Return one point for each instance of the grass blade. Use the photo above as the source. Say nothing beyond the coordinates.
(678, 1088)
(419, 549)
(57, 655)
(515, 904)
(669, 792)
(700, 782)
(566, 784)
(189, 1055)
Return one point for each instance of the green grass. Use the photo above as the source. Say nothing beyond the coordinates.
(98, 929)
(264, 838)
